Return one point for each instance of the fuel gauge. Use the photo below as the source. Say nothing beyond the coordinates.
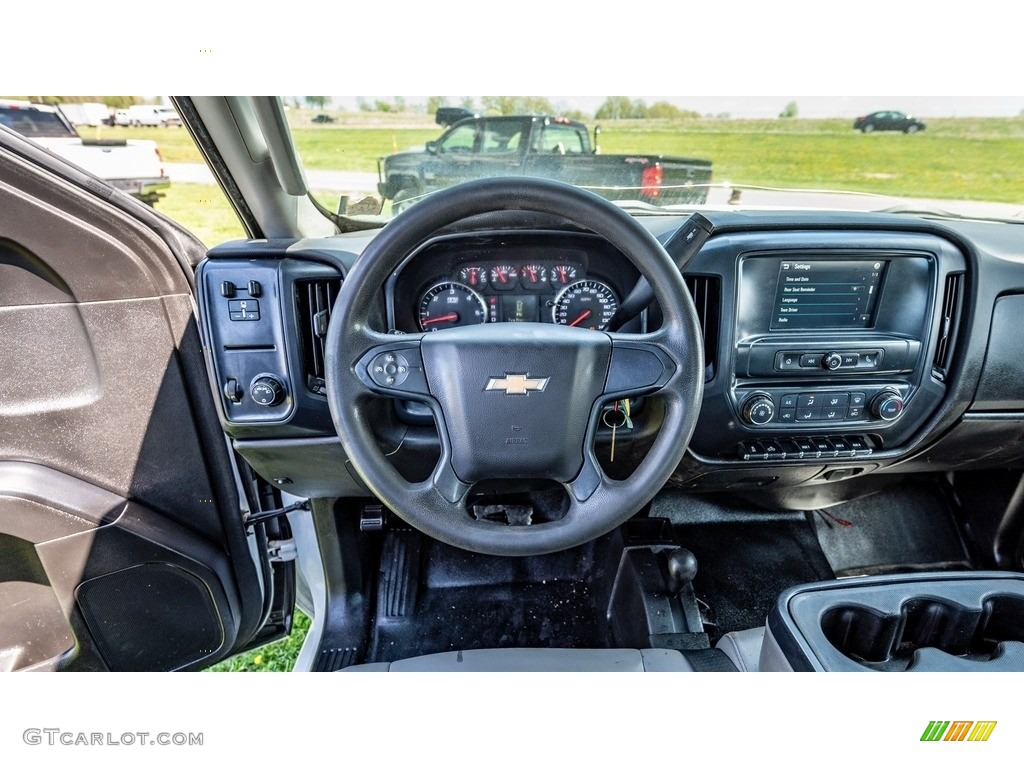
(474, 277)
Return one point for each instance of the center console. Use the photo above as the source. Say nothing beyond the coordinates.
(832, 350)
(925, 622)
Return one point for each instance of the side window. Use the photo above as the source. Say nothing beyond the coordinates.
(461, 139)
(501, 136)
(563, 139)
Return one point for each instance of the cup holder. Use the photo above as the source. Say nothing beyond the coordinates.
(888, 641)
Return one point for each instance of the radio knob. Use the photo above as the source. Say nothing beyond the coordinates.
(887, 406)
(758, 410)
(267, 391)
(832, 361)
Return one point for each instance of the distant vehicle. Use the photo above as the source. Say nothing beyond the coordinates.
(555, 148)
(888, 121)
(140, 115)
(134, 165)
(87, 113)
(323, 119)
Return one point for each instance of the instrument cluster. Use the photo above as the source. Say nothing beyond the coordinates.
(531, 292)
(531, 277)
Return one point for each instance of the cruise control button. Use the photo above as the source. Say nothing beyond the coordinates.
(787, 401)
(389, 369)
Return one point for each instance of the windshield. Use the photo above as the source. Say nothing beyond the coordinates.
(34, 123)
(927, 155)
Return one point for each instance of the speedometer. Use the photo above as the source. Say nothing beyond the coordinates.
(451, 304)
(585, 304)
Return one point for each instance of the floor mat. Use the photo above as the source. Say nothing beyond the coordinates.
(903, 529)
(433, 598)
(745, 557)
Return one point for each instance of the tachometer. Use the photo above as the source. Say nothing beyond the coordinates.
(450, 304)
(585, 304)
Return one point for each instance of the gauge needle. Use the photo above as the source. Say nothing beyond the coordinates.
(442, 318)
(581, 318)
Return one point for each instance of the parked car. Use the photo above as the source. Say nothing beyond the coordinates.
(888, 121)
(323, 119)
(513, 427)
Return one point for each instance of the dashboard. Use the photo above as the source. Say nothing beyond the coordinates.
(837, 346)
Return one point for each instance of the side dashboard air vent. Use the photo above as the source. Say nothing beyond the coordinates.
(314, 300)
(951, 301)
(706, 291)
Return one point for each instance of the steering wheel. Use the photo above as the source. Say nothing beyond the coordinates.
(513, 400)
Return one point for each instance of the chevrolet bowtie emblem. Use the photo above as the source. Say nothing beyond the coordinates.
(516, 384)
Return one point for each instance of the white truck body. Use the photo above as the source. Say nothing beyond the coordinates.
(131, 165)
(152, 115)
(87, 113)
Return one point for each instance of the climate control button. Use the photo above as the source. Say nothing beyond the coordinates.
(887, 406)
(758, 410)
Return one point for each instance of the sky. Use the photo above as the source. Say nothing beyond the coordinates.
(832, 59)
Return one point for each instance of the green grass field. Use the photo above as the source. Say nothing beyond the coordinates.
(276, 657)
(955, 158)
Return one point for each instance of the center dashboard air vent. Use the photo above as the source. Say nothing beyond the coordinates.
(706, 292)
(314, 301)
(951, 299)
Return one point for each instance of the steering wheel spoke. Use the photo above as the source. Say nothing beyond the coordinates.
(394, 369)
(640, 364)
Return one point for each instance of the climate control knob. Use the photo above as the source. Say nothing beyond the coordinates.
(266, 391)
(887, 406)
(758, 410)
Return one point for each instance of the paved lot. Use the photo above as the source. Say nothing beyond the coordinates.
(366, 183)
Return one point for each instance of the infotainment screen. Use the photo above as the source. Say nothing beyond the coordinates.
(819, 293)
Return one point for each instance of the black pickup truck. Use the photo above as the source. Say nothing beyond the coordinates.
(475, 147)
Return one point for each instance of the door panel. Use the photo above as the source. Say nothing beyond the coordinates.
(121, 542)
